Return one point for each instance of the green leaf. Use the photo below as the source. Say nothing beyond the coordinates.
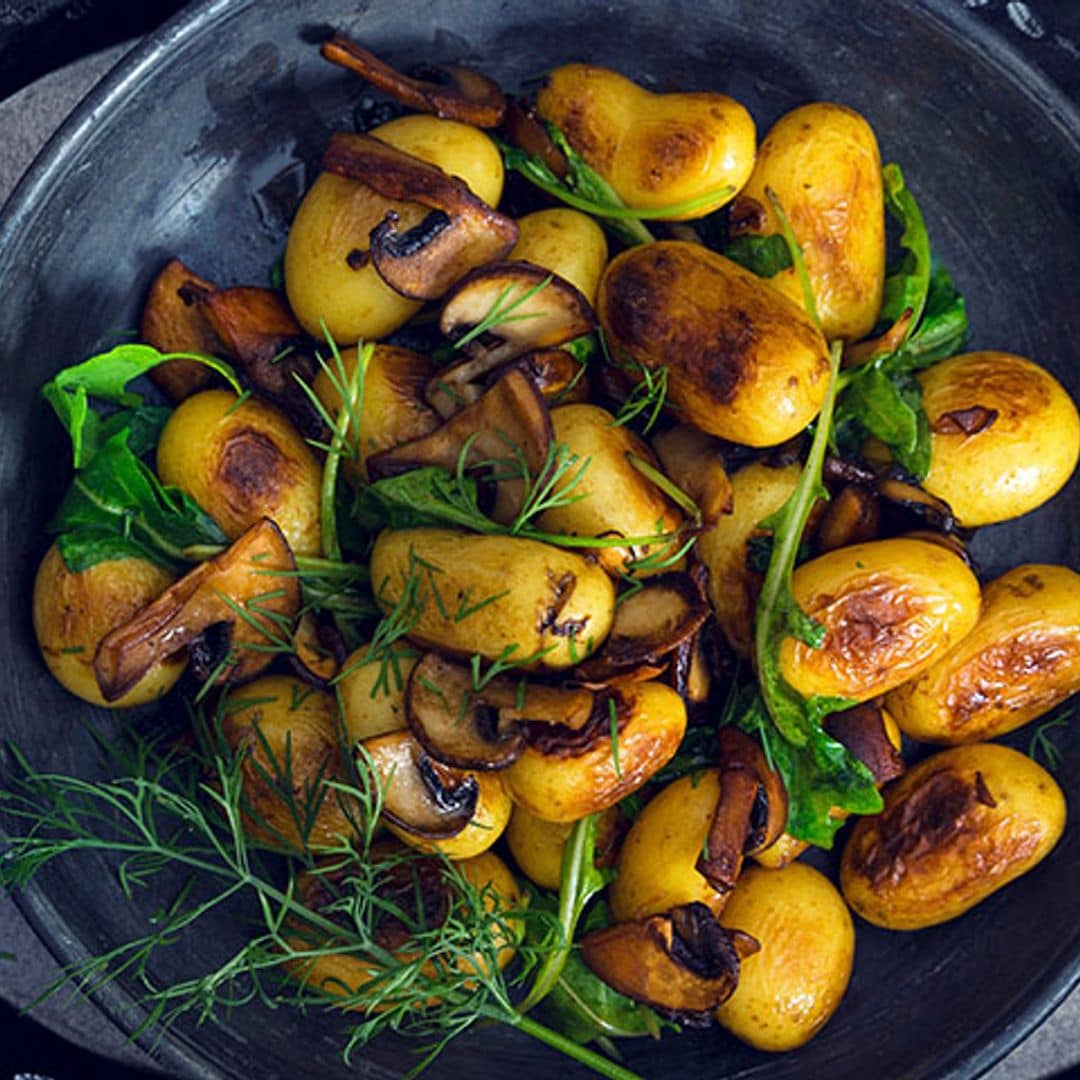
(765, 256)
(428, 496)
(105, 377)
(117, 494)
(88, 546)
(907, 283)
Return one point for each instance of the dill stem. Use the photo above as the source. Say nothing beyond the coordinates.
(589, 1058)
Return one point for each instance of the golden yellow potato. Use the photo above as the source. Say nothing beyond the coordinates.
(488, 823)
(890, 609)
(372, 694)
(1022, 659)
(74, 611)
(566, 242)
(956, 828)
(655, 150)
(1005, 435)
(286, 732)
(242, 462)
(657, 860)
(788, 991)
(329, 277)
(743, 362)
(537, 845)
(486, 594)
(617, 499)
(562, 778)
(822, 161)
(758, 490)
(394, 410)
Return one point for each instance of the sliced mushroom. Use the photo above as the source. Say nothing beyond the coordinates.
(852, 516)
(949, 541)
(750, 814)
(506, 428)
(862, 731)
(683, 962)
(695, 462)
(452, 92)
(420, 795)
(318, 650)
(460, 234)
(483, 728)
(252, 586)
(907, 504)
(173, 321)
(558, 375)
(889, 342)
(836, 472)
(689, 674)
(542, 311)
(522, 128)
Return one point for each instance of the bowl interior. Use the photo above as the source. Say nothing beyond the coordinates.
(199, 148)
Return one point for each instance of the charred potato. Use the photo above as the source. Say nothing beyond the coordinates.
(372, 692)
(1022, 659)
(242, 461)
(655, 150)
(617, 499)
(822, 161)
(1005, 435)
(73, 611)
(565, 242)
(890, 609)
(743, 362)
(955, 829)
(788, 991)
(329, 277)
(552, 606)
(565, 775)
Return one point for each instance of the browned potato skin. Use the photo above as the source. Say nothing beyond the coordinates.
(73, 612)
(788, 991)
(618, 499)
(1019, 460)
(654, 149)
(822, 161)
(657, 861)
(1022, 659)
(242, 462)
(955, 829)
(394, 411)
(890, 609)
(743, 362)
(758, 490)
(567, 788)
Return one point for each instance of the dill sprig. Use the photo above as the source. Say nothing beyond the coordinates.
(648, 396)
(1041, 744)
(504, 311)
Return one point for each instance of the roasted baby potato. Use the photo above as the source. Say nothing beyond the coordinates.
(1022, 659)
(73, 611)
(552, 606)
(537, 845)
(822, 161)
(890, 609)
(564, 775)
(329, 276)
(372, 693)
(658, 860)
(1005, 435)
(655, 150)
(758, 490)
(242, 461)
(566, 242)
(743, 362)
(286, 733)
(955, 829)
(789, 989)
(616, 498)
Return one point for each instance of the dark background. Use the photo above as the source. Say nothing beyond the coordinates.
(39, 36)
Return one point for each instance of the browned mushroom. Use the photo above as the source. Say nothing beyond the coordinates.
(558, 375)
(750, 814)
(695, 462)
(507, 427)
(689, 674)
(949, 541)
(906, 504)
(522, 128)
(852, 516)
(888, 342)
(471, 728)
(683, 962)
(451, 91)
(251, 586)
(460, 234)
(862, 731)
(420, 795)
(542, 311)
(173, 321)
(318, 650)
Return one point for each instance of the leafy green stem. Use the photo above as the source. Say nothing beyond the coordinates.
(597, 1062)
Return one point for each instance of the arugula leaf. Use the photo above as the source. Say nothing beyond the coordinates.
(765, 256)
(105, 377)
(907, 283)
(117, 496)
(427, 496)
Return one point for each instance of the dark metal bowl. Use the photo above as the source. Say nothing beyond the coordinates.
(176, 152)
